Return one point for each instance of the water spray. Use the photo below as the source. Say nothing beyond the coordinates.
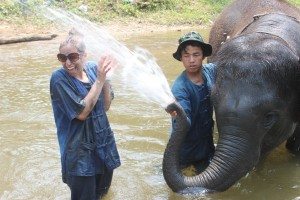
(140, 70)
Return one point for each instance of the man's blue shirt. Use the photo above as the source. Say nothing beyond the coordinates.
(85, 146)
(195, 100)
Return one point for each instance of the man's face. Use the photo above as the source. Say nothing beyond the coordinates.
(192, 58)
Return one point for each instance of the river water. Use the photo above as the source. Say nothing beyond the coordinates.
(29, 157)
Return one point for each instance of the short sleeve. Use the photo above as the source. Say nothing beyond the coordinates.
(210, 74)
(66, 98)
(182, 97)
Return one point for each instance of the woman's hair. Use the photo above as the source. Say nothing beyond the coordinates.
(76, 39)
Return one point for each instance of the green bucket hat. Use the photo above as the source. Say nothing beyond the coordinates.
(192, 36)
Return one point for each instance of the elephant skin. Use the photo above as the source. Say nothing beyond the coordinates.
(256, 46)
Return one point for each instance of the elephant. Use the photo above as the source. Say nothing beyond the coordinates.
(256, 96)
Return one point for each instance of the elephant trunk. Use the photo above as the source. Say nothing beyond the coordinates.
(171, 169)
(232, 160)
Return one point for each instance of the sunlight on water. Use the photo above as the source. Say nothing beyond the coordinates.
(140, 71)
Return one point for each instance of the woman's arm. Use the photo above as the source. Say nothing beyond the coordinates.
(108, 94)
(104, 65)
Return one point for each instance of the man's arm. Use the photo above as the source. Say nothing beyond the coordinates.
(182, 97)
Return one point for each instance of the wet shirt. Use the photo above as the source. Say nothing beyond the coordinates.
(85, 146)
(195, 100)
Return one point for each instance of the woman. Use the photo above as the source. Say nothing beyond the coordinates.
(80, 97)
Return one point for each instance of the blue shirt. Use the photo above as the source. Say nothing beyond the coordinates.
(195, 100)
(85, 146)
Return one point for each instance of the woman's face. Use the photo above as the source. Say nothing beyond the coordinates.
(71, 59)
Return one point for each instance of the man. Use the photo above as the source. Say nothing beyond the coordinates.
(192, 91)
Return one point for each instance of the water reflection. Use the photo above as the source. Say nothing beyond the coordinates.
(29, 158)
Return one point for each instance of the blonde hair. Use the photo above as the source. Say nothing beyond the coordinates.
(76, 39)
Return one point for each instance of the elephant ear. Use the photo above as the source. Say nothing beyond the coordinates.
(295, 82)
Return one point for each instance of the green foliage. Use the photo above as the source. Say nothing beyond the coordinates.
(155, 11)
(9, 9)
(14, 9)
(126, 9)
(191, 12)
(154, 5)
(295, 2)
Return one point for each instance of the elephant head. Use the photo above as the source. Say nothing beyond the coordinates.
(254, 114)
(256, 100)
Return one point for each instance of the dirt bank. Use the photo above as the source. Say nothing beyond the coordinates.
(129, 29)
(120, 30)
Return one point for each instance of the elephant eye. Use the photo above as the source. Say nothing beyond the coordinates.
(270, 119)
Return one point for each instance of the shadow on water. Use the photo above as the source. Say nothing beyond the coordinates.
(29, 157)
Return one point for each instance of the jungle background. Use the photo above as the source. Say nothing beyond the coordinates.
(19, 17)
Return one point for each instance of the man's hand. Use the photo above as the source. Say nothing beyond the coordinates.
(173, 114)
(171, 108)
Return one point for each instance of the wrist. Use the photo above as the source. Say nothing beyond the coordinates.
(99, 82)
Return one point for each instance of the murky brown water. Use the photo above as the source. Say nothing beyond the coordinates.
(29, 157)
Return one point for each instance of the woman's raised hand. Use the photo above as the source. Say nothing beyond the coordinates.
(105, 64)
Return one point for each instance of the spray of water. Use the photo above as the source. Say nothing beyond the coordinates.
(139, 68)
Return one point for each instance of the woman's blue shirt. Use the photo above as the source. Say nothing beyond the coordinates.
(85, 146)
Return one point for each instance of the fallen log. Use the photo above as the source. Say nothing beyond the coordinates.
(29, 38)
